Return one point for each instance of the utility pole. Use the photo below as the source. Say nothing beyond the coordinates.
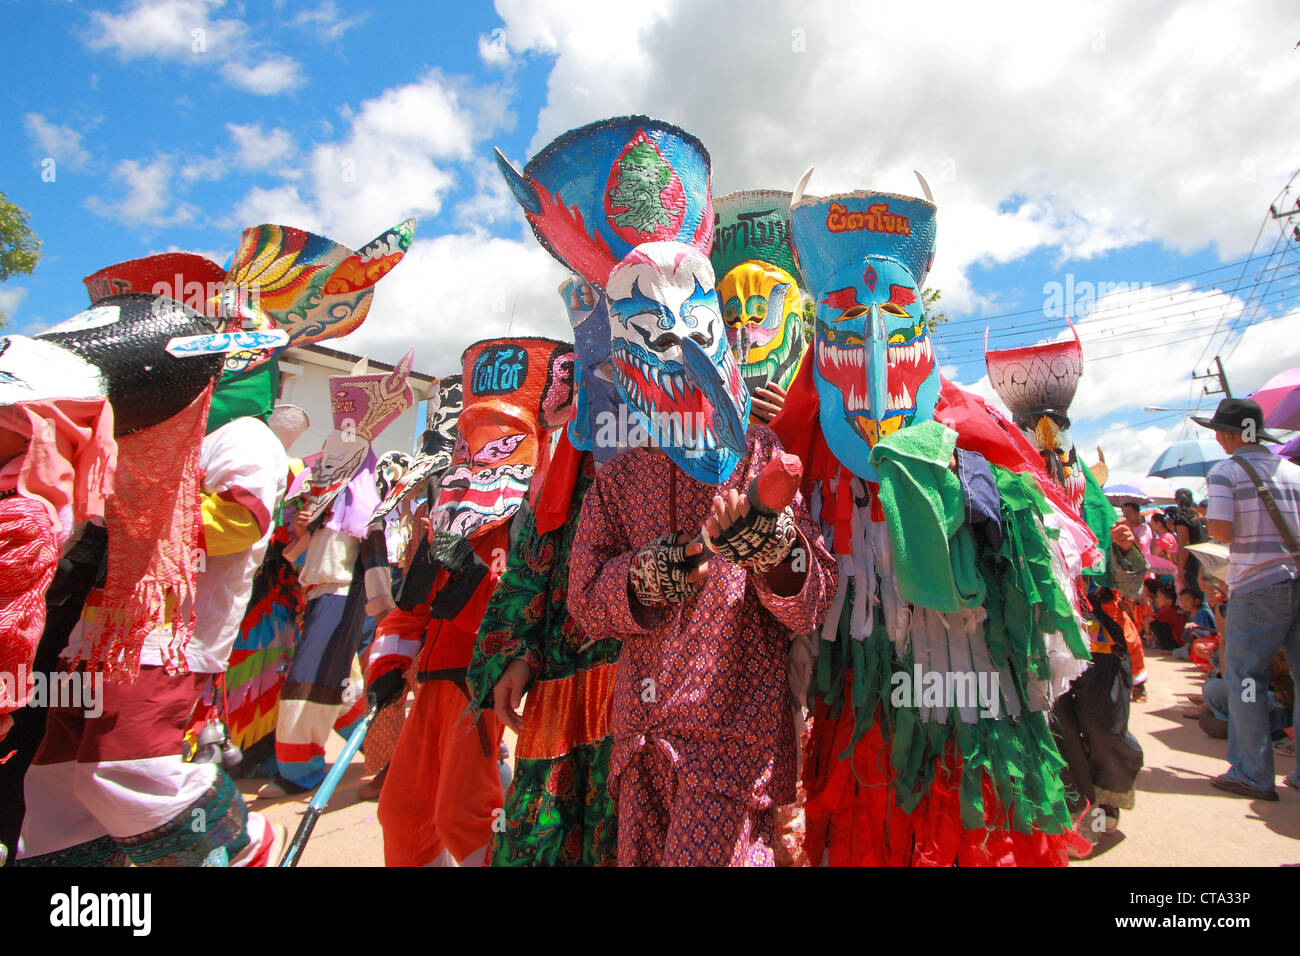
(1218, 374)
(1295, 230)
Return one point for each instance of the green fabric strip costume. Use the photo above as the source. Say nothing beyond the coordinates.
(558, 811)
(1024, 604)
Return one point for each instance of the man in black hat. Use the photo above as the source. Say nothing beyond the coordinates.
(1254, 507)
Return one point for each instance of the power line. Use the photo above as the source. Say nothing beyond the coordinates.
(1144, 288)
(1283, 237)
(1209, 290)
(1167, 327)
(1085, 329)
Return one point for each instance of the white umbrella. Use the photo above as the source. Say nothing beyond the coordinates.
(1159, 490)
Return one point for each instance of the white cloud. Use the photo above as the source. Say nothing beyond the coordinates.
(493, 50)
(281, 204)
(327, 22)
(276, 74)
(204, 168)
(400, 156)
(1130, 448)
(1077, 129)
(260, 149)
(61, 143)
(148, 199)
(453, 290)
(165, 29)
(10, 297)
(184, 31)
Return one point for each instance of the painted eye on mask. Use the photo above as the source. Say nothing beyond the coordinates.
(733, 312)
(758, 307)
(890, 308)
(702, 316)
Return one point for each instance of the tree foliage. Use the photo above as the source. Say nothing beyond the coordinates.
(20, 250)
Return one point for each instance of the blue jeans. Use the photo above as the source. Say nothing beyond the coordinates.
(1259, 623)
(1215, 692)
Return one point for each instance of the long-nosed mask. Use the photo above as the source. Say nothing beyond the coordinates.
(866, 256)
(672, 362)
(627, 204)
(515, 390)
(759, 285)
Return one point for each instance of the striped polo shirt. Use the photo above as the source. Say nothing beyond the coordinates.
(1257, 557)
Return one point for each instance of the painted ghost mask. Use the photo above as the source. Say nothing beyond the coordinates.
(759, 285)
(762, 307)
(366, 404)
(514, 391)
(672, 363)
(1037, 384)
(866, 255)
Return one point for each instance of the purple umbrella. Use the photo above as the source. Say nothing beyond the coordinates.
(1279, 399)
(1290, 451)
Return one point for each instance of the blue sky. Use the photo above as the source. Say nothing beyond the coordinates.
(1089, 143)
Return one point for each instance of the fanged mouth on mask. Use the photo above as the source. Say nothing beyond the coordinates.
(674, 412)
(671, 360)
(842, 360)
(484, 496)
(865, 256)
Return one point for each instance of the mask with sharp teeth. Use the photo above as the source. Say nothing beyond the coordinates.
(1037, 384)
(514, 391)
(866, 256)
(672, 363)
(759, 285)
(626, 203)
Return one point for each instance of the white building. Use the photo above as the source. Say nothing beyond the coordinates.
(305, 371)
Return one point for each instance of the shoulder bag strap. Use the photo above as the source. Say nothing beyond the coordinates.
(1288, 536)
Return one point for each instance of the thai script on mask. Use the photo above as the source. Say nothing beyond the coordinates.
(766, 228)
(499, 370)
(877, 218)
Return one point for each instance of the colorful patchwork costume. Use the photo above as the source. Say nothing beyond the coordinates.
(558, 811)
(703, 737)
(1090, 720)
(443, 788)
(953, 627)
(118, 782)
